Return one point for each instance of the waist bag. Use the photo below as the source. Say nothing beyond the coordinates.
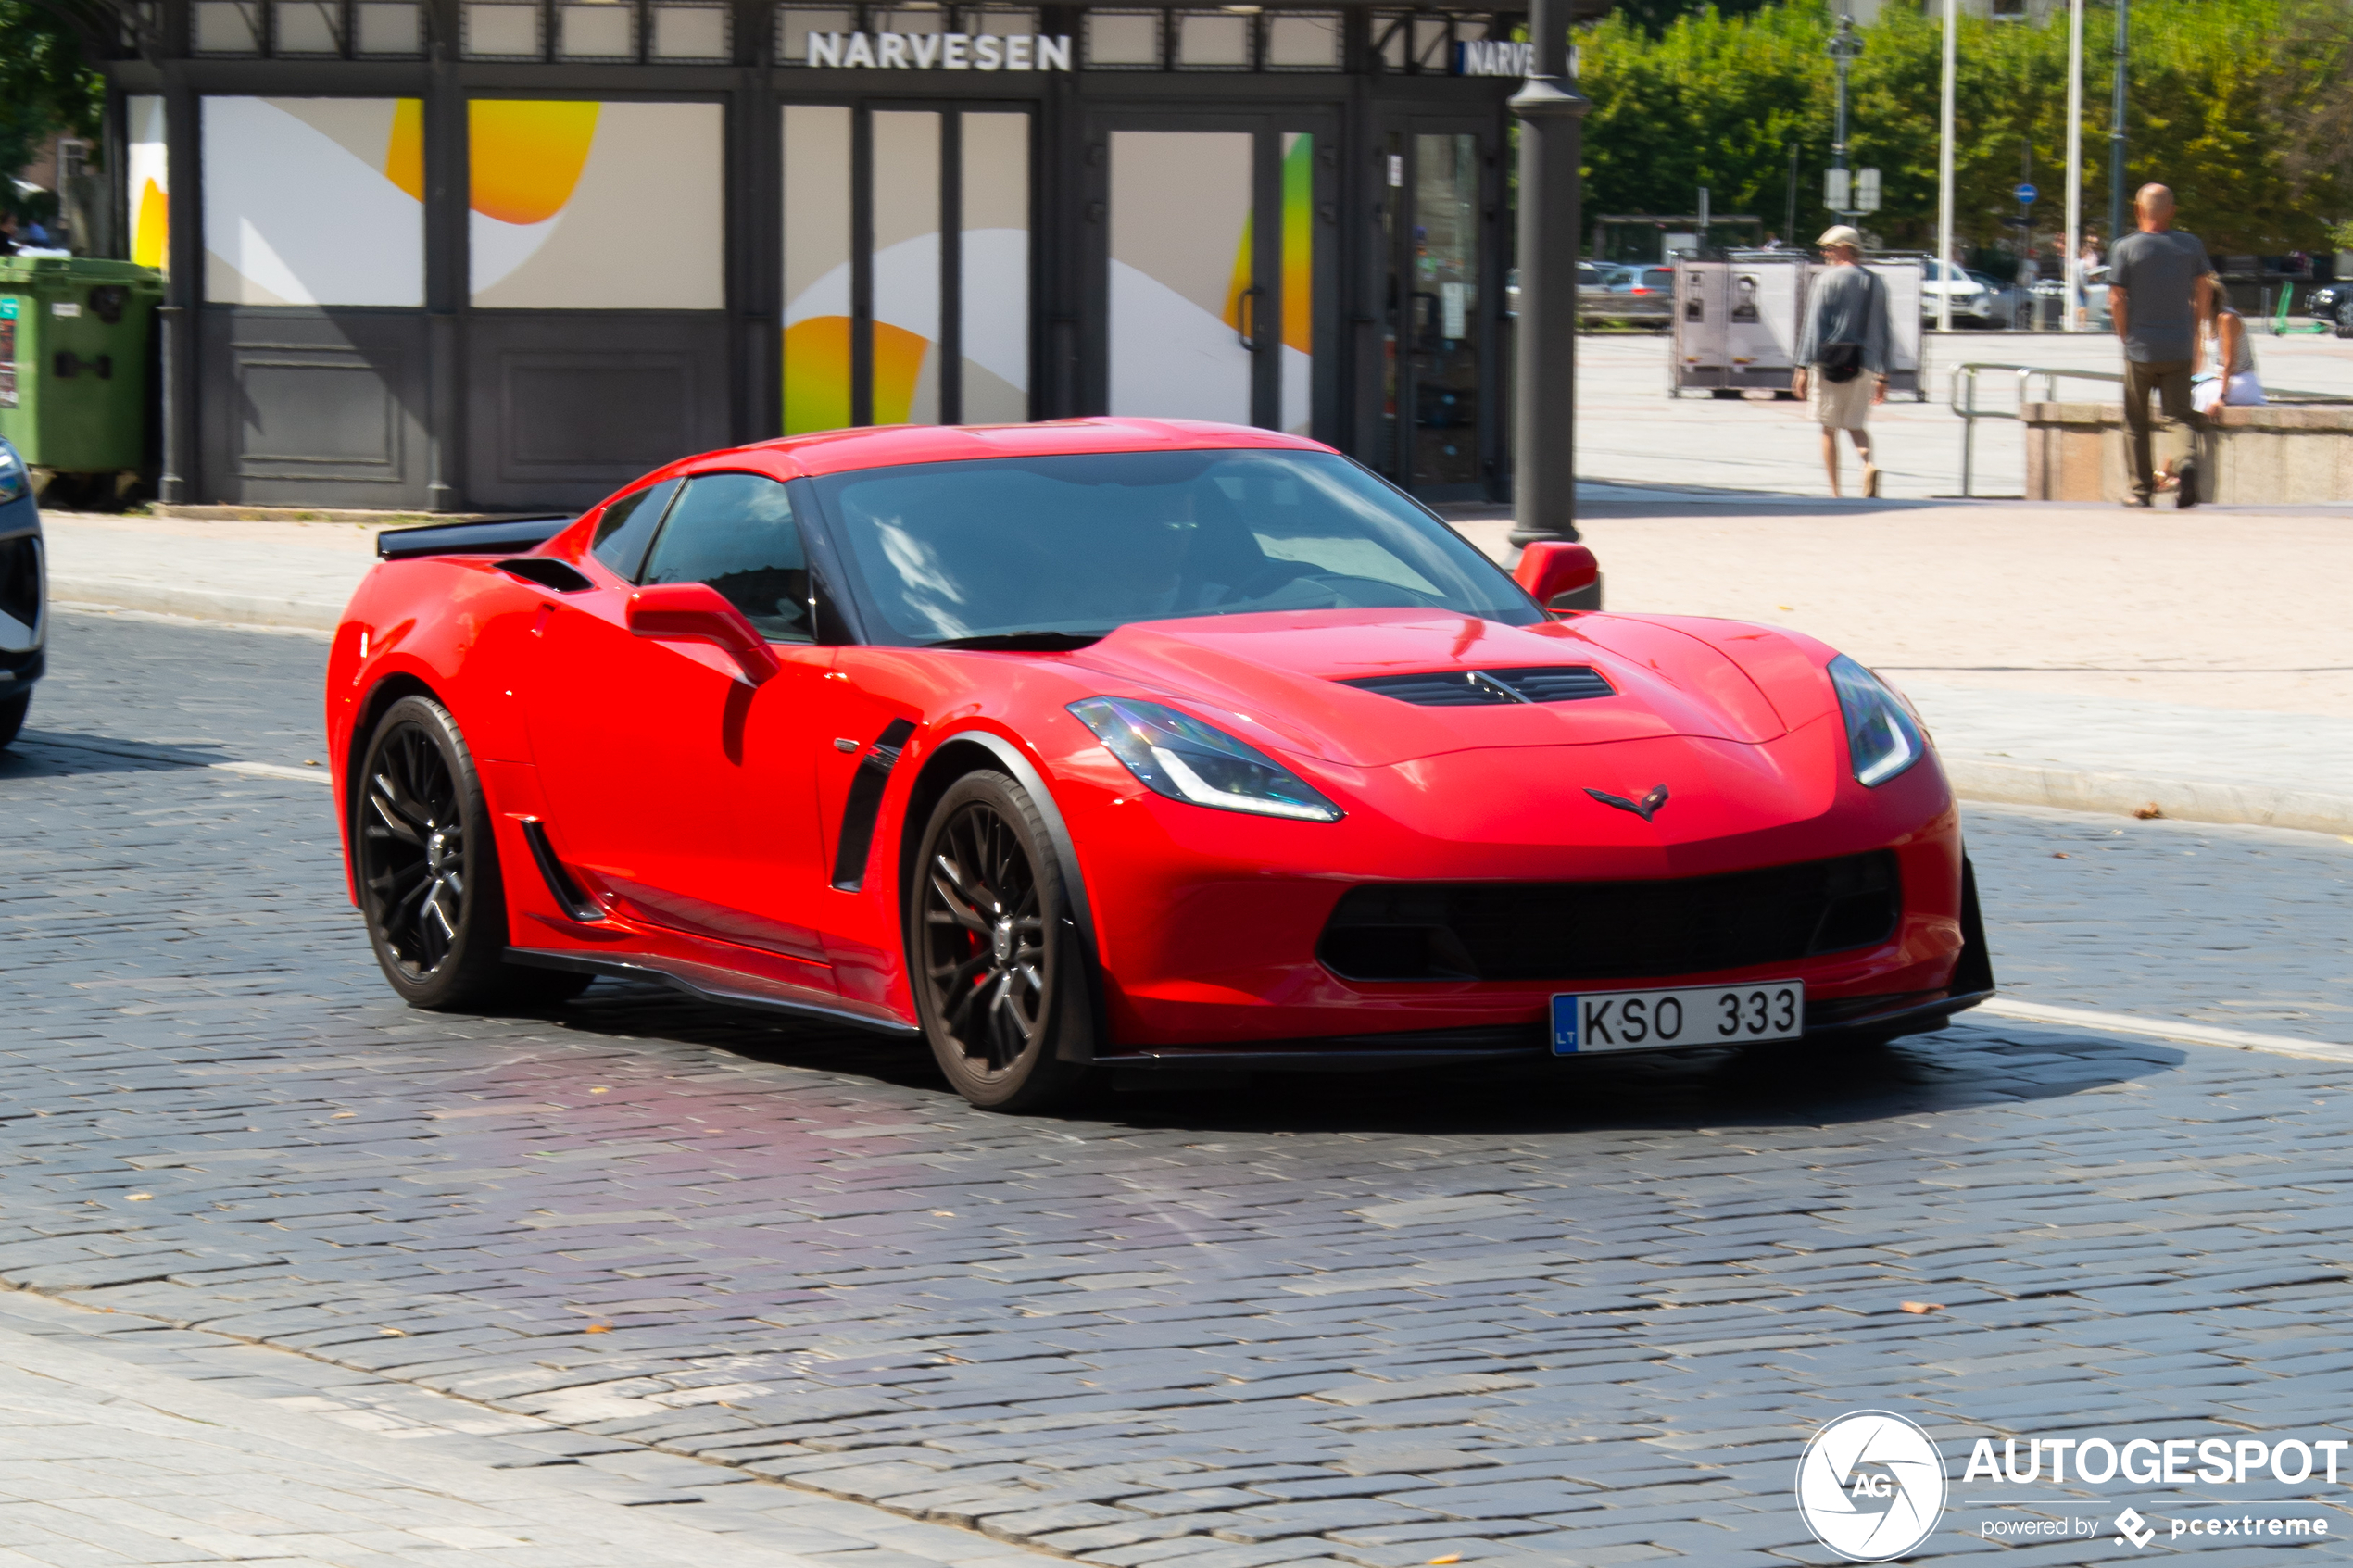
(1843, 361)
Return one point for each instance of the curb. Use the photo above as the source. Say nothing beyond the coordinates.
(2189, 800)
(201, 604)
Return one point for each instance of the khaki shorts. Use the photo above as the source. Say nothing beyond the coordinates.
(1844, 405)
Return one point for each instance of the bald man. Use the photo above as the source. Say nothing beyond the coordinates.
(2160, 291)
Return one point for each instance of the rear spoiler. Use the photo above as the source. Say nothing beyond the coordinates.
(503, 536)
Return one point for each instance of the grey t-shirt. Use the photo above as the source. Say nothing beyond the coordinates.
(1846, 305)
(2159, 274)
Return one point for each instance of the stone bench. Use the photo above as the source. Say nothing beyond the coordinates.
(2283, 453)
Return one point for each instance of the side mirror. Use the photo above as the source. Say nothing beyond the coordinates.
(696, 612)
(1551, 568)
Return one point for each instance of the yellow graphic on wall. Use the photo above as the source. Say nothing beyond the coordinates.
(1298, 243)
(818, 326)
(148, 172)
(817, 374)
(899, 357)
(561, 190)
(527, 155)
(313, 201)
(405, 148)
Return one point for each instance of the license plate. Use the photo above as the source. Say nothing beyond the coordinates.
(1699, 1015)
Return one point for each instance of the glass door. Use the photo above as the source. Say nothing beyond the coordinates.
(1438, 383)
(1210, 270)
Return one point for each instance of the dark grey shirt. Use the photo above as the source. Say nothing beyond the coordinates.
(2159, 274)
(1846, 305)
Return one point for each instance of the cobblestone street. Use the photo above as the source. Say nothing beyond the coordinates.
(1582, 1316)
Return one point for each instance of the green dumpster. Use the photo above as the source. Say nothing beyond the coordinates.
(73, 362)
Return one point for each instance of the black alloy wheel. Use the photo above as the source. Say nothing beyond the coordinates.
(12, 712)
(428, 868)
(412, 830)
(996, 978)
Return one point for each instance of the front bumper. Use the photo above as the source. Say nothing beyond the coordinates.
(1209, 923)
(1831, 1020)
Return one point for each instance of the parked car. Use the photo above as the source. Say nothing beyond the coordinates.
(23, 599)
(1643, 294)
(1120, 742)
(2050, 300)
(1974, 304)
(1592, 293)
(1643, 281)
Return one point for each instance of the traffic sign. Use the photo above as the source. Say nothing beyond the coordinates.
(2026, 195)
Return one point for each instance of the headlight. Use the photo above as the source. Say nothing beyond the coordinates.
(1183, 759)
(1883, 738)
(12, 475)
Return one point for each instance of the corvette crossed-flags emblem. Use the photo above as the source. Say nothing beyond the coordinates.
(1646, 807)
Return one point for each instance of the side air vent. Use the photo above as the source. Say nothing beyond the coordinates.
(560, 886)
(857, 814)
(1478, 688)
(547, 572)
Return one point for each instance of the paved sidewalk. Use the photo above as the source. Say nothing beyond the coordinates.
(2068, 656)
(258, 573)
(1630, 430)
(123, 1442)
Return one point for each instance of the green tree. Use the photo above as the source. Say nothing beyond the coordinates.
(2244, 106)
(46, 87)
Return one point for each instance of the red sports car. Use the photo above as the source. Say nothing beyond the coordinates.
(1122, 741)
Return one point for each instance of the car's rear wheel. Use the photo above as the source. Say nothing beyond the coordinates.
(428, 870)
(999, 983)
(12, 712)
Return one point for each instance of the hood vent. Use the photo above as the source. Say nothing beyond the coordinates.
(1479, 688)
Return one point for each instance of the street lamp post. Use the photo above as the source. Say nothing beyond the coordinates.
(2116, 132)
(1844, 48)
(2070, 265)
(1944, 170)
(1551, 113)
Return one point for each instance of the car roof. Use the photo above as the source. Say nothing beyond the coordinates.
(842, 451)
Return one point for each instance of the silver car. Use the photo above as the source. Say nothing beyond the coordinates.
(23, 599)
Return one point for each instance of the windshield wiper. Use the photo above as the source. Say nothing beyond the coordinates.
(1023, 642)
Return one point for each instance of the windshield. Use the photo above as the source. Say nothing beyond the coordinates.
(1068, 548)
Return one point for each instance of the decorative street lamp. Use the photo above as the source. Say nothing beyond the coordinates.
(1839, 192)
(1544, 426)
(1844, 48)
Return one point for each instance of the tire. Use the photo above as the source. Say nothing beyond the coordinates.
(999, 982)
(12, 712)
(427, 869)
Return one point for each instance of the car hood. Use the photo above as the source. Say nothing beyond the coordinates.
(1278, 680)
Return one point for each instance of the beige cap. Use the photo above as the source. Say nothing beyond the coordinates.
(1840, 234)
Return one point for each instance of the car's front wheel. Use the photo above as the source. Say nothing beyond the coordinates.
(1000, 985)
(428, 870)
(12, 712)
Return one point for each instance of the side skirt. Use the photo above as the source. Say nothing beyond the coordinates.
(707, 985)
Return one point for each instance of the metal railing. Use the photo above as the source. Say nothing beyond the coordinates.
(1963, 398)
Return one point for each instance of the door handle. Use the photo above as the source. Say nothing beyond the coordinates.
(1246, 308)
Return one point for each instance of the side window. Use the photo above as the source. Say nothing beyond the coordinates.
(628, 527)
(735, 532)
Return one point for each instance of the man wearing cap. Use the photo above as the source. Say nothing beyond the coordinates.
(1843, 351)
